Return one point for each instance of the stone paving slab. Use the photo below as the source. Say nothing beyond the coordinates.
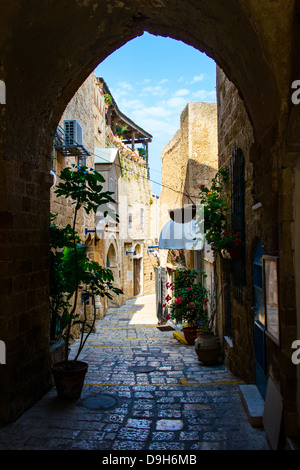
(143, 391)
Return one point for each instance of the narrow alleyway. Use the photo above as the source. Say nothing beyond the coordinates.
(144, 391)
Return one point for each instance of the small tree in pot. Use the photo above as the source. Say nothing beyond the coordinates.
(76, 273)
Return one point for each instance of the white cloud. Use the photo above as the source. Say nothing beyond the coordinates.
(146, 80)
(198, 78)
(125, 85)
(159, 127)
(182, 92)
(176, 102)
(164, 80)
(202, 95)
(158, 110)
(126, 105)
(155, 90)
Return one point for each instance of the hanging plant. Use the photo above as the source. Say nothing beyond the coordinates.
(107, 99)
(216, 213)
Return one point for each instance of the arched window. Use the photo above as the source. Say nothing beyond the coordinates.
(238, 218)
(111, 259)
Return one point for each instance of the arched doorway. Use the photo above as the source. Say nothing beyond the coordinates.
(137, 270)
(111, 258)
(39, 86)
(112, 264)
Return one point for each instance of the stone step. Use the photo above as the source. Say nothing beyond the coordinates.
(254, 404)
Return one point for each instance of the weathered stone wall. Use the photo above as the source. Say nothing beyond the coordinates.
(24, 296)
(81, 108)
(135, 198)
(136, 193)
(269, 217)
(234, 127)
(188, 160)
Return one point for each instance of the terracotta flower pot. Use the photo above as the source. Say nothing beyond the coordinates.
(234, 252)
(190, 334)
(69, 382)
(207, 347)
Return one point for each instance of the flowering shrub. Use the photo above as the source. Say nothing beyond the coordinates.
(228, 239)
(189, 303)
(216, 211)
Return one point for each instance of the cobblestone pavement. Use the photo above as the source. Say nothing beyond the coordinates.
(144, 390)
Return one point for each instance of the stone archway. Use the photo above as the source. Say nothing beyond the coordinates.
(47, 49)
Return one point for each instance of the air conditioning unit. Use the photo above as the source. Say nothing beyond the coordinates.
(73, 132)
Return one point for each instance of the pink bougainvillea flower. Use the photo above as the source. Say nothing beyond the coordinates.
(167, 317)
(163, 306)
(168, 298)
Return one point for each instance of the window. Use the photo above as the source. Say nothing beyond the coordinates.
(238, 218)
(81, 161)
(129, 220)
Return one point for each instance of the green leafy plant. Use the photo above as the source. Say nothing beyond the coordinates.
(216, 213)
(121, 129)
(59, 306)
(142, 152)
(107, 99)
(71, 267)
(188, 304)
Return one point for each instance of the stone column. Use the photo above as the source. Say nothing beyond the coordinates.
(24, 281)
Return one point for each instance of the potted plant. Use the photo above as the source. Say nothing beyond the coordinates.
(120, 130)
(216, 210)
(188, 305)
(77, 274)
(107, 101)
(59, 305)
(230, 244)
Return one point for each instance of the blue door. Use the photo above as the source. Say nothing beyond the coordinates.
(259, 322)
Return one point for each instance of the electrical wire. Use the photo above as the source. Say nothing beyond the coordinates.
(152, 181)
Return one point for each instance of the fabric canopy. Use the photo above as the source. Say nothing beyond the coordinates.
(178, 236)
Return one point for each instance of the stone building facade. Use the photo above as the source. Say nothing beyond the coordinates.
(81, 108)
(188, 160)
(257, 345)
(126, 176)
(123, 246)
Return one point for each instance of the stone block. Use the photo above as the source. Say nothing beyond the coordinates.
(254, 404)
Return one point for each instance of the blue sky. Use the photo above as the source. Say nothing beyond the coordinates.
(152, 79)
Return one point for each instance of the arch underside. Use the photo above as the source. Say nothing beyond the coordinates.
(55, 47)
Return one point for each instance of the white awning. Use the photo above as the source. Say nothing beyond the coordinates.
(105, 155)
(178, 236)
